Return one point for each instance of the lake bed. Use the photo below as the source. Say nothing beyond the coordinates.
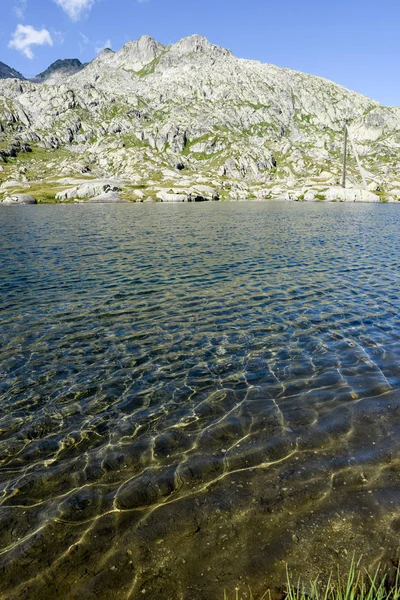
(194, 395)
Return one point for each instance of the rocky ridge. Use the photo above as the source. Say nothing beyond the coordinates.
(59, 70)
(7, 72)
(190, 121)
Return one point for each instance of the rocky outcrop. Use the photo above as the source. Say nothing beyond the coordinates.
(171, 197)
(19, 199)
(351, 195)
(14, 149)
(136, 54)
(107, 198)
(91, 189)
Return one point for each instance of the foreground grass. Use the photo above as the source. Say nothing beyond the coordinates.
(357, 584)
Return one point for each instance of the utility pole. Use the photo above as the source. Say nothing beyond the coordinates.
(344, 154)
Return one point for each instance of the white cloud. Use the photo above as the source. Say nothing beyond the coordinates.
(26, 36)
(75, 9)
(107, 44)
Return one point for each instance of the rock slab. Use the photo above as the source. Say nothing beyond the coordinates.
(19, 199)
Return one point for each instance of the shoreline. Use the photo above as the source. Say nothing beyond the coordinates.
(230, 201)
(346, 196)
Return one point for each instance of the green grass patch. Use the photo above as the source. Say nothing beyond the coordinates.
(190, 143)
(129, 196)
(205, 155)
(383, 196)
(355, 584)
(255, 106)
(131, 141)
(40, 154)
(113, 111)
(44, 193)
(151, 67)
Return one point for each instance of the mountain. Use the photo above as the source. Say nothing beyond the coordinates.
(192, 120)
(7, 72)
(59, 70)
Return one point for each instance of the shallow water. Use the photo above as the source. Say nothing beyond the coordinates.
(192, 395)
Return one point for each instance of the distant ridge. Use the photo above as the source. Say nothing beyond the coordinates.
(7, 72)
(59, 70)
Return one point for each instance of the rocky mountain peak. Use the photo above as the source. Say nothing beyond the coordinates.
(100, 64)
(7, 72)
(138, 53)
(59, 70)
(189, 118)
(199, 45)
(105, 54)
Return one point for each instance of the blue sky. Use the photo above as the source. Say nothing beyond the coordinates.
(352, 42)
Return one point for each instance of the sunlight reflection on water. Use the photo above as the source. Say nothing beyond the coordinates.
(193, 394)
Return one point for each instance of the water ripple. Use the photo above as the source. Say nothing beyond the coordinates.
(193, 395)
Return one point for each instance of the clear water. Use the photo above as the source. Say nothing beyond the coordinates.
(192, 395)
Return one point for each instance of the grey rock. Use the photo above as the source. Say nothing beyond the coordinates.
(107, 198)
(90, 189)
(309, 196)
(13, 183)
(167, 197)
(19, 199)
(351, 195)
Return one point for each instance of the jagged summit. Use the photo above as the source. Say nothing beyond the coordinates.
(198, 43)
(59, 70)
(135, 54)
(104, 55)
(7, 72)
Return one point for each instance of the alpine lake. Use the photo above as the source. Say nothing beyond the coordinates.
(194, 396)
